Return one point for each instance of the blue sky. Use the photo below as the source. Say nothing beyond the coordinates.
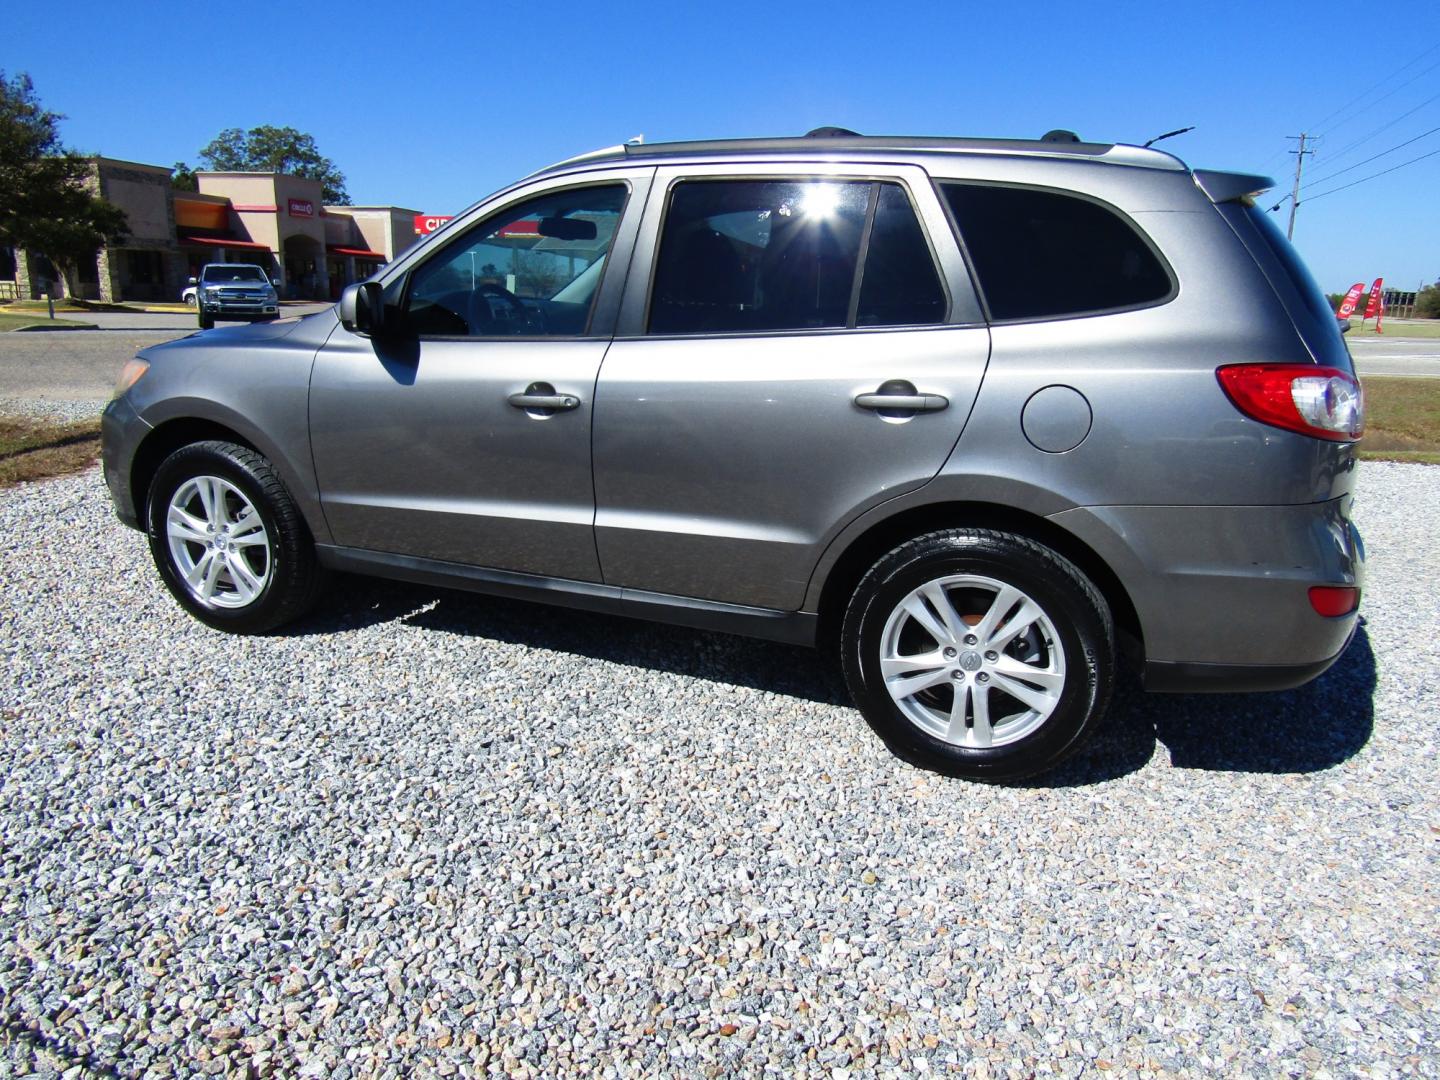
(434, 105)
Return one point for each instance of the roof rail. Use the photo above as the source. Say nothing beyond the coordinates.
(1057, 143)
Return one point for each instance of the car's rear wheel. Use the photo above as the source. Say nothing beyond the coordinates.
(979, 654)
(190, 300)
(228, 539)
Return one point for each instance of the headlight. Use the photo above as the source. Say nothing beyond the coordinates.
(130, 374)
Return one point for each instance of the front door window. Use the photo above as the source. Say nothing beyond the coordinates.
(530, 271)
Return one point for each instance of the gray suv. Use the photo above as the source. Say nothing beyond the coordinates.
(985, 418)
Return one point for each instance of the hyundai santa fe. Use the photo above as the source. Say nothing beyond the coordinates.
(985, 418)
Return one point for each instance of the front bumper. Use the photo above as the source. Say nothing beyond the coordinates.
(228, 307)
(121, 432)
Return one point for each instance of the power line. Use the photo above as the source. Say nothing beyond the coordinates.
(1374, 157)
(1356, 100)
(1372, 176)
(1366, 138)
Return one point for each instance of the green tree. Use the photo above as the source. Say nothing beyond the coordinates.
(1427, 303)
(183, 178)
(278, 150)
(47, 201)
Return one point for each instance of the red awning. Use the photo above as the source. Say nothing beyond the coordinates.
(359, 253)
(213, 241)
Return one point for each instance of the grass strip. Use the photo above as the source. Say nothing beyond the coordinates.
(1428, 328)
(19, 322)
(33, 449)
(1402, 419)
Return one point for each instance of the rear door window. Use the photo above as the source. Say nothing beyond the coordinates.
(901, 286)
(1044, 254)
(762, 256)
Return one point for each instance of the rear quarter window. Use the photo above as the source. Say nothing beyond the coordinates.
(1046, 254)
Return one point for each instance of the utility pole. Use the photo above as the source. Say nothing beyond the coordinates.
(1295, 191)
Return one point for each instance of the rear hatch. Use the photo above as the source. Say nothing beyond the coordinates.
(1234, 196)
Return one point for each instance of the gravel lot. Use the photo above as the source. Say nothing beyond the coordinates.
(433, 834)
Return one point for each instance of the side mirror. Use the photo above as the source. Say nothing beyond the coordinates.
(362, 308)
(1344, 326)
(194, 281)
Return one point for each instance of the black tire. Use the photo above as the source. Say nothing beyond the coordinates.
(292, 577)
(207, 321)
(191, 302)
(1078, 660)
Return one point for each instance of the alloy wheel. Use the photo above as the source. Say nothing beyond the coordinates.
(218, 542)
(972, 661)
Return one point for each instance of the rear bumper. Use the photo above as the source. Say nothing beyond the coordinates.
(1161, 677)
(1222, 592)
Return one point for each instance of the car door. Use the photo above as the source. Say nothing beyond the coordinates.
(796, 344)
(462, 433)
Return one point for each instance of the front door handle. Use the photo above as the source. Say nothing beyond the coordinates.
(899, 397)
(541, 397)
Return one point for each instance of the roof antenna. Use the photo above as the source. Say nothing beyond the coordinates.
(635, 140)
(830, 133)
(1168, 135)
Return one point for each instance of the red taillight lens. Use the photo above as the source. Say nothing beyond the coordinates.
(1323, 402)
(1333, 600)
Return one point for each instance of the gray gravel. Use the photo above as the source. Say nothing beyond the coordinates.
(436, 834)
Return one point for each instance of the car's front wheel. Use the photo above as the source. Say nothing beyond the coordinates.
(228, 539)
(979, 654)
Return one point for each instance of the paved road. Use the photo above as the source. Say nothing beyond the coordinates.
(81, 365)
(1397, 356)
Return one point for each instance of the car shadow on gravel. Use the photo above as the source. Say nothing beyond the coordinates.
(798, 672)
(1310, 728)
(1313, 727)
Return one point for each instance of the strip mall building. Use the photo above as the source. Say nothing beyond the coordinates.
(275, 221)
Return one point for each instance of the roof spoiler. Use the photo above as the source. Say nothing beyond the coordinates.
(1228, 186)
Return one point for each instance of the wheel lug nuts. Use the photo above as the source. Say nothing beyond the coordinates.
(949, 654)
(970, 639)
(982, 677)
(958, 676)
(992, 656)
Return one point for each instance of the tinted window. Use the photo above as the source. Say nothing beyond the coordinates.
(901, 285)
(758, 255)
(1041, 254)
(532, 270)
(762, 255)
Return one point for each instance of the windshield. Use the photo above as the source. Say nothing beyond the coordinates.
(234, 273)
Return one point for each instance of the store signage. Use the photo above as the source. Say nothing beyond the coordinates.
(302, 208)
(425, 224)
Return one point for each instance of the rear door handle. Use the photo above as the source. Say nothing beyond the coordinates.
(898, 395)
(540, 395)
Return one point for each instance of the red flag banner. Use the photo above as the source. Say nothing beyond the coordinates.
(1372, 305)
(1347, 306)
(1380, 314)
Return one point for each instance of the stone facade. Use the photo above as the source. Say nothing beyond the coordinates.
(273, 220)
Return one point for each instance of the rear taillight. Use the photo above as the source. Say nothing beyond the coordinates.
(1321, 401)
